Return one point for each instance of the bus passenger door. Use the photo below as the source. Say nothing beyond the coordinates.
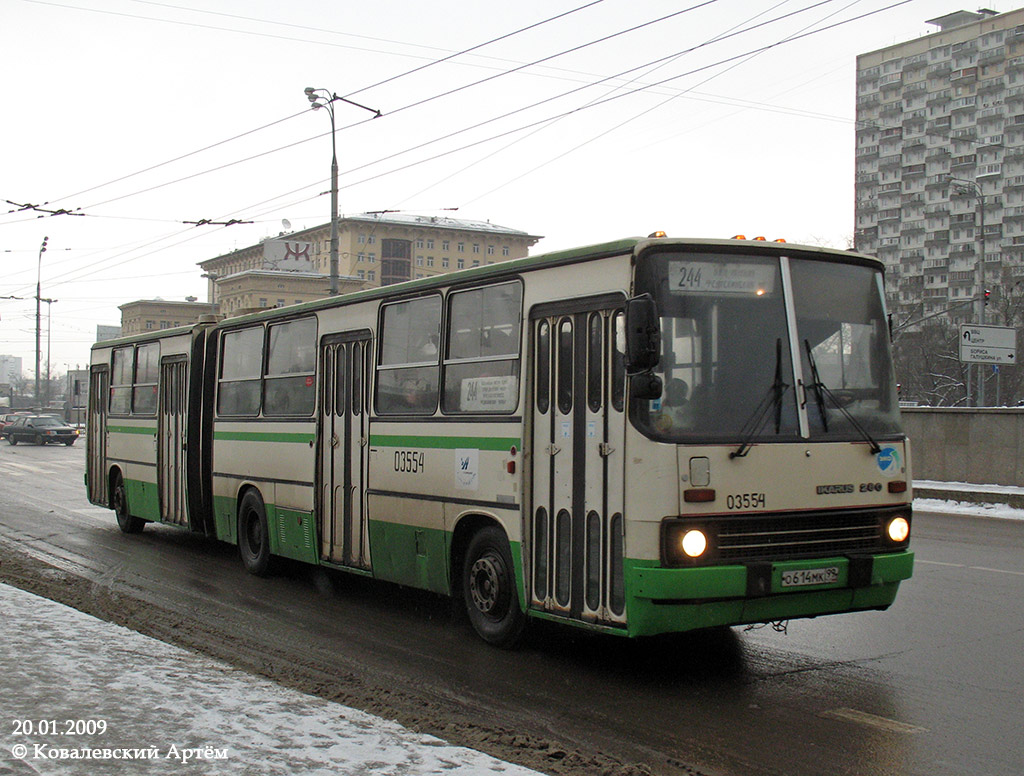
(342, 460)
(576, 544)
(96, 435)
(170, 440)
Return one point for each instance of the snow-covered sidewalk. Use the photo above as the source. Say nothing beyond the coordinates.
(1003, 501)
(82, 696)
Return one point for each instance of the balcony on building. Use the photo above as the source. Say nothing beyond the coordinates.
(891, 110)
(963, 76)
(915, 62)
(915, 89)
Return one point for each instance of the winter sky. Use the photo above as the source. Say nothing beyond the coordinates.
(126, 119)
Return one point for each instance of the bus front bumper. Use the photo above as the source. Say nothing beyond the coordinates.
(664, 600)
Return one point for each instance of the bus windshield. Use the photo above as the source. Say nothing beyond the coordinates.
(728, 350)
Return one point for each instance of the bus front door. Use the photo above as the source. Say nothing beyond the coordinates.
(170, 440)
(343, 437)
(578, 432)
(96, 435)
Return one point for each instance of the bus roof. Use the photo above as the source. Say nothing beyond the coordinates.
(630, 245)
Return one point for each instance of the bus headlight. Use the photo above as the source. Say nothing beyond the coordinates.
(686, 542)
(898, 529)
(694, 543)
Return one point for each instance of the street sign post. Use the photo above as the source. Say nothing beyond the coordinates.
(988, 344)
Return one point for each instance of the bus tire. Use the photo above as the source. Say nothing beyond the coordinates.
(127, 522)
(489, 589)
(253, 536)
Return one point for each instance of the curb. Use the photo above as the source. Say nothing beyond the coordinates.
(1015, 500)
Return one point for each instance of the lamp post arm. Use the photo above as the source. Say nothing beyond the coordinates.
(321, 98)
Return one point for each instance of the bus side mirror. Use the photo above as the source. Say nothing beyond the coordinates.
(645, 387)
(643, 335)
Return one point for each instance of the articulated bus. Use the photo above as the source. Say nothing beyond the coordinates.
(639, 437)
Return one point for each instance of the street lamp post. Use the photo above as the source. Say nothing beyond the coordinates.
(972, 189)
(49, 306)
(39, 284)
(321, 98)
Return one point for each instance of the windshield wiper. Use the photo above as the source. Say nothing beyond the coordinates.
(772, 400)
(821, 392)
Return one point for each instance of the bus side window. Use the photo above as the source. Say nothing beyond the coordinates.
(407, 372)
(241, 359)
(290, 388)
(147, 369)
(595, 362)
(618, 387)
(564, 374)
(543, 361)
(121, 382)
(481, 369)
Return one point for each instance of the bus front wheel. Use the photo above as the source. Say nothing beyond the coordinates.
(253, 537)
(127, 522)
(489, 589)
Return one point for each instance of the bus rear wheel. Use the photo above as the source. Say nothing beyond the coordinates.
(253, 537)
(489, 589)
(127, 522)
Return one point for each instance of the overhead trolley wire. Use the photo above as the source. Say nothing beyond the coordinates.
(592, 104)
(577, 109)
(518, 68)
(446, 58)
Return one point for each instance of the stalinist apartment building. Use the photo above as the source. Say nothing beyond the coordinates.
(374, 250)
(940, 163)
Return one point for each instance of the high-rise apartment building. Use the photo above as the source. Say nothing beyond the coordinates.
(10, 369)
(940, 164)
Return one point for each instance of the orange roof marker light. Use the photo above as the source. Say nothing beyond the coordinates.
(759, 239)
(656, 234)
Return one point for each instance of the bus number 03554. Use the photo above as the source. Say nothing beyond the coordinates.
(409, 461)
(745, 501)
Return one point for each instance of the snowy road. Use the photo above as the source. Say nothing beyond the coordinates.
(83, 696)
(923, 689)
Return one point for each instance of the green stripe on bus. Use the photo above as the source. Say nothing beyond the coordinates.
(263, 436)
(150, 430)
(445, 443)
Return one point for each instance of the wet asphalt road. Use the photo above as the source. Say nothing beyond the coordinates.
(931, 687)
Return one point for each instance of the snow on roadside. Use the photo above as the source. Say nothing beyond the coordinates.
(951, 506)
(968, 508)
(163, 709)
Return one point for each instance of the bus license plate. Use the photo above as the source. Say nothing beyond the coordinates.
(804, 577)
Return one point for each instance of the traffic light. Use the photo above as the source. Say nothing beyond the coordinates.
(985, 295)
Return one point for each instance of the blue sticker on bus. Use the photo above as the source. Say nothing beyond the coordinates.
(888, 460)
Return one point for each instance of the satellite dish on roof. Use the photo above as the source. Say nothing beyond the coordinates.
(286, 223)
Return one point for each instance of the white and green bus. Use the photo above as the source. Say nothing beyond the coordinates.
(639, 437)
